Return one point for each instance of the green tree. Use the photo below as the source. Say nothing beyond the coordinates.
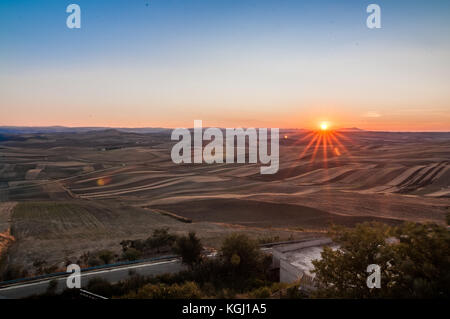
(160, 239)
(106, 256)
(131, 254)
(242, 255)
(190, 249)
(414, 261)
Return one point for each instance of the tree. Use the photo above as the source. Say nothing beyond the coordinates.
(242, 255)
(161, 238)
(414, 261)
(131, 254)
(106, 256)
(190, 249)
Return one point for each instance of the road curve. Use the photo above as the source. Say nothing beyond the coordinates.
(112, 275)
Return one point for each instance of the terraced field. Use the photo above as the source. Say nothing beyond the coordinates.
(87, 191)
(64, 230)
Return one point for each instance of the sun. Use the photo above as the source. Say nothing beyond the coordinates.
(324, 140)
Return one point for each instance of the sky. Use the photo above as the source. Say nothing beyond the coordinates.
(233, 63)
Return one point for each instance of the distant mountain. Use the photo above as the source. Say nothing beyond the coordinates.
(350, 129)
(63, 129)
(142, 130)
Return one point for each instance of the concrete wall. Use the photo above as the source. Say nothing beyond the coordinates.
(288, 272)
(310, 243)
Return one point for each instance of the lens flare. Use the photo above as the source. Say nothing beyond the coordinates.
(103, 181)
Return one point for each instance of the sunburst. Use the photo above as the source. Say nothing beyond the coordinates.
(326, 139)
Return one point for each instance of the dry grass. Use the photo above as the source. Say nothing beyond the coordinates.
(74, 196)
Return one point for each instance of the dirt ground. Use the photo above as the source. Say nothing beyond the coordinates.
(88, 191)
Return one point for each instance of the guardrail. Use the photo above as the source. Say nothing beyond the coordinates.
(125, 263)
(289, 242)
(90, 295)
(58, 274)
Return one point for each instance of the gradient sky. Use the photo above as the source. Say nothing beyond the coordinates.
(261, 63)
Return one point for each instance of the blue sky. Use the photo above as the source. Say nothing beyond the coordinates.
(238, 63)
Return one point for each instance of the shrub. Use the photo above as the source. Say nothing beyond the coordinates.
(242, 255)
(187, 290)
(101, 287)
(190, 249)
(106, 256)
(414, 265)
(131, 254)
(94, 261)
(14, 272)
(261, 292)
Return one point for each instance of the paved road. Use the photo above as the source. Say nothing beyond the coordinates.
(112, 275)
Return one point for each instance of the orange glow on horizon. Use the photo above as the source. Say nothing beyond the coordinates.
(292, 122)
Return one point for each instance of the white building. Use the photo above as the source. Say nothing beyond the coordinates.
(294, 260)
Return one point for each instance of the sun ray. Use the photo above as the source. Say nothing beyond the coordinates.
(334, 150)
(309, 145)
(328, 140)
(299, 140)
(325, 150)
(342, 147)
(316, 147)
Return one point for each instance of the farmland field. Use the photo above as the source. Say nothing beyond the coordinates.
(64, 194)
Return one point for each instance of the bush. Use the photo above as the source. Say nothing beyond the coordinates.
(131, 254)
(242, 255)
(101, 287)
(94, 261)
(14, 272)
(414, 261)
(39, 265)
(190, 249)
(161, 241)
(262, 292)
(187, 290)
(105, 256)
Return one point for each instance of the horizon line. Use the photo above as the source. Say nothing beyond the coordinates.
(356, 129)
